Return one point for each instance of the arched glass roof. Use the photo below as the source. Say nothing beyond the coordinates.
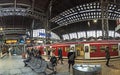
(85, 12)
(88, 34)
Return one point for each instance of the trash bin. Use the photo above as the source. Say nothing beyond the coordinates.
(83, 69)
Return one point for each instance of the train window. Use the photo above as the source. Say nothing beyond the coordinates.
(114, 47)
(86, 49)
(53, 49)
(102, 48)
(93, 49)
(67, 49)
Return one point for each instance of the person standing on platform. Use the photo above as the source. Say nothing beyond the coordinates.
(49, 52)
(53, 61)
(107, 56)
(71, 58)
(60, 55)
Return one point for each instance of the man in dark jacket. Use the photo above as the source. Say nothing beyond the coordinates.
(107, 56)
(71, 58)
(60, 55)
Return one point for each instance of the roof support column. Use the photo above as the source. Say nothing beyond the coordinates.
(48, 24)
(104, 13)
(33, 22)
(15, 4)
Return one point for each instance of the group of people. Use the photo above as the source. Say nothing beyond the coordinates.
(70, 56)
(32, 52)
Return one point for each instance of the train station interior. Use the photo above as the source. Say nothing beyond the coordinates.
(59, 37)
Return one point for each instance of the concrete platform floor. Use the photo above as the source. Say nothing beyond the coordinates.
(13, 65)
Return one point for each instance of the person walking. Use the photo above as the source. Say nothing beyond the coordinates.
(107, 56)
(49, 52)
(71, 58)
(53, 61)
(60, 55)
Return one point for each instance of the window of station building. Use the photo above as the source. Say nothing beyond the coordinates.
(117, 35)
(73, 35)
(111, 33)
(81, 34)
(67, 49)
(65, 37)
(102, 48)
(91, 33)
(99, 33)
(93, 49)
(114, 47)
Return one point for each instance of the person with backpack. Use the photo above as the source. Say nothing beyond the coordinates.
(71, 58)
(53, 61)
(60, 55)
(107, 56)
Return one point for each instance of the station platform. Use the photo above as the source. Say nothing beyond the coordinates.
(13, 65)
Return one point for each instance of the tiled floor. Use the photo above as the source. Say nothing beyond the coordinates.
(14, 66)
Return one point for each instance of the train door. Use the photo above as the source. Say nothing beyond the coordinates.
(74, 48)
(80, 50)
(87, 51)
(119, 48)
(73, 45)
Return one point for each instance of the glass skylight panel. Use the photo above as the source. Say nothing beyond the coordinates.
(91, 7)
(18, 13)
(115, 6)
(91, 13)
(87, 5)
(65, 37)
(83, 34)
(97, 4)
(94, 7)
(98, 7)
(110, 7)
(92, 17)
(81, 15)
(94, 4)
(71, 10)
(76, 16)
(73, 35)
(84, 14)
(77, 7)
(82, 8)
(111, 33)
(79, 34)
(91, 4)
(117, 35)
(90, 33)
(83, 5)
(99, 33)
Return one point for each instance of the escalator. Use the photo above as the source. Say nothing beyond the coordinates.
(17, 49)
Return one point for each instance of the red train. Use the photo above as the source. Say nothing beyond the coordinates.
(86, 50)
